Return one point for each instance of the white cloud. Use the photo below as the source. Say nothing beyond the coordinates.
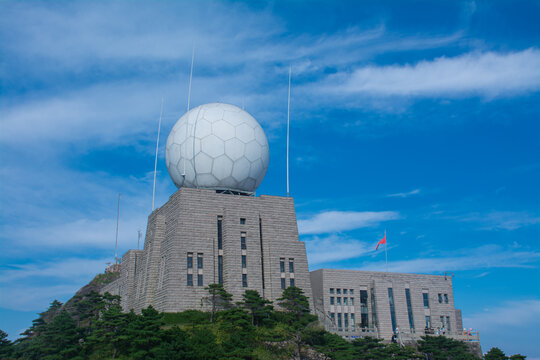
(333, 248)
(405, 194)
(486, 74)
(335, 221)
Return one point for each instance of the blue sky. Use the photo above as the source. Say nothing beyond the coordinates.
(419, 117)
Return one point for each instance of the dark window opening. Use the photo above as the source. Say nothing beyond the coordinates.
(426, 300)
(282, 265)
(189, 279)
(244, 280)
(220, 269)
(199, 261)
(291, 281)
(189, 260)
(242, 221)
(409, 309)
(244, 261)
(283, 283)
(243, 241)
(220, 233)
(291, 265)
(199, 280)
(392, 309)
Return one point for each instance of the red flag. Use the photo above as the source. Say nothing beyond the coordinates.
(383, 241)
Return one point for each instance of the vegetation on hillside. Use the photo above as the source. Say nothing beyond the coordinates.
(94, 327)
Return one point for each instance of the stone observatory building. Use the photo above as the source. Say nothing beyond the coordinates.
(213, 230)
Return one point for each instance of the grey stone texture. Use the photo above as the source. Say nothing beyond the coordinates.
(187, 223)
(378, 283)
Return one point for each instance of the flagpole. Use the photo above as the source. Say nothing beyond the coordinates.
(385, 250)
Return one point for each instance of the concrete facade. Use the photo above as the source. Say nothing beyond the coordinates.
(257, 247)
(373, 288)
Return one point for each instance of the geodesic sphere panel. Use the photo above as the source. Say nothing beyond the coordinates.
(217, 146)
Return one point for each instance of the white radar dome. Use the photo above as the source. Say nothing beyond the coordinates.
(217, 146)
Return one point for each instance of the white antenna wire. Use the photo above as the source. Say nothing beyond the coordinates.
(117, 221)
(288, 116)
(155, 163)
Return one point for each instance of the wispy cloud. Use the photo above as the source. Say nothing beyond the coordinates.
(485, 257)
(30, 287)
(511, 325)
(501, 220)
(405, 194)
(486, 74)
(336, 221)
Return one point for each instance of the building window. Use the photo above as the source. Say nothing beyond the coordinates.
(448, 324)
(291, 280)
(440, 298)
(331, 300)
(199, 261)
(339, 322)
(409, 308)
(446, 298)
(244, 280)
(199, 280)
(442, 321)
(428, 322)
(283, 283)
(338, 300)
(392, 309)
(346, 321)
(190, 260)
(344, 301)
(374, 318)
(426, 300)
(220, 232)
(331, 290)
(242, 221)
(352, 321)
(364, 317)
(338, 291)
(333, 318)
(243, 241)
(291, 265)
(220, 269)
(244, 262)
(189, 279)
(351, 291)
(344, 291)
(351, 301)
(282, 265)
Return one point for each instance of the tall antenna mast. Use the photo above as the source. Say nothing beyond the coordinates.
(117, 221)
(190, 76)
(138, 239)
(188, 103)
(155, 163)
(288, 116)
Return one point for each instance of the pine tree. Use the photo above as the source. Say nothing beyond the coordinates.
(6, 346)
(218, 299)
(443, 348)
(144, 333)
(259, 308)
(495, 354)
